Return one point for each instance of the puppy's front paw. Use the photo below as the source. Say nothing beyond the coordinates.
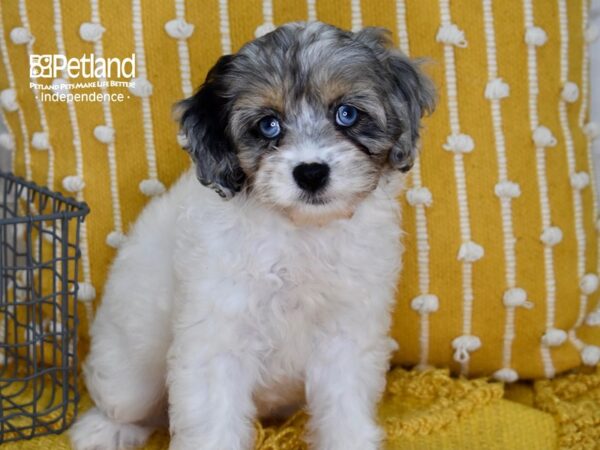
(95, 431)
(179, 442)
(362, 437)
(226, 440)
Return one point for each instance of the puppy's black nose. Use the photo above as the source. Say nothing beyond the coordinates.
(311, 177)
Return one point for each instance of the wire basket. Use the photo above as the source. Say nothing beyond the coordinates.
(39, 254)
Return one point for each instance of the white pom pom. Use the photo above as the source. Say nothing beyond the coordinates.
(7, 142)
(507, 189)
(459, 143)
(580, 180)
(543, 137)
(535, 36)
(86, 292)
(104, 134)
(21, 35)
(554, 337)
(470, 252)
(570, 92)
(91, 32)
(452, 35)
(419, 196)
(514, 297)
(263, 29)
(592, 130)
(152, 187)
(590, 355)
(73, 183)
(551, 236)
(425, 303)
(179, 29)
(141, 87)
(497, 89)
(8, 99)
(60, 86)
(115, 239)
(593, 319)
(589, 283)
(507, 375)
(182, 140)
(40, 140)
(592, 33)
(463, 345)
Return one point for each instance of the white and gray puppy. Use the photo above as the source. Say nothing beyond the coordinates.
(220, 311)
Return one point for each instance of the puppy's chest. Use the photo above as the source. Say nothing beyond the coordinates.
(286, 271)
(304, 286)
(289, 285)
(298, 269)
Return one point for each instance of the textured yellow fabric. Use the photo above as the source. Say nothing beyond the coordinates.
(426, 410)
(574, 402)
(425, 342)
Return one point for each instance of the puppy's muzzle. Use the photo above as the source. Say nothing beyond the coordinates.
(311, 177)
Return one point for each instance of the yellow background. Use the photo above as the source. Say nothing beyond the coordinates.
(437, 164)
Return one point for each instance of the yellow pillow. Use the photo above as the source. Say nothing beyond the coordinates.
(501, 261)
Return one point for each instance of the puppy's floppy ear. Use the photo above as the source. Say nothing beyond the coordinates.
(412, 93)
(203, 119)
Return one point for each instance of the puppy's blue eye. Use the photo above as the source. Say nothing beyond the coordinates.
(346, 115)
(269, 127)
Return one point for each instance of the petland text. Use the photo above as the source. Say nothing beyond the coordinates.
(87, 66)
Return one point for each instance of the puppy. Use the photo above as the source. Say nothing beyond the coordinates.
(278, 290)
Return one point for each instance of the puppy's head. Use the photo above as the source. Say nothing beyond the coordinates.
(307, 118)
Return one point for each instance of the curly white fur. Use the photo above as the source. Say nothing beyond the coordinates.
(231, 311)
(223, 311)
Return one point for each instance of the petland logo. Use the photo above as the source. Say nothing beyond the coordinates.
(88, 66)
(98, 73)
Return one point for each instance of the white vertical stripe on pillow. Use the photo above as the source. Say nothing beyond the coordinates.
(356, 20)
(116, 236)
(505, 190)
(540, 150)
(184, 52)
(450, 35)
(268, 24)
(224, 27)
(567, 97)
(402, 28)
(12, 86)
(150, 186)
(38, 103)
(311, 10)
(87, 292)
(424, 304)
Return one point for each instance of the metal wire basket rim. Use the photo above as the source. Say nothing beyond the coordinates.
(81, 208)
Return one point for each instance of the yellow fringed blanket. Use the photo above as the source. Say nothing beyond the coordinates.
(431, 410)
